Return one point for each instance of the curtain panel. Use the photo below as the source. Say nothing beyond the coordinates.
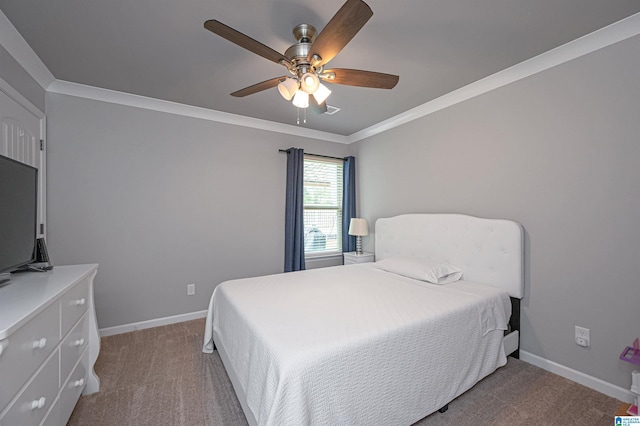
(294, 211)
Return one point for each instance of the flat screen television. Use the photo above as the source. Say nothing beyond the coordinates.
(18, 215)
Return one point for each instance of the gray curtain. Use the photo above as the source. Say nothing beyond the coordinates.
(294, 223)
(348, 203)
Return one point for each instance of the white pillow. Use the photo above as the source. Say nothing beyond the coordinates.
(432, 271)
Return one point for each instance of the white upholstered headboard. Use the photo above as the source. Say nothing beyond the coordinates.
(489, 251)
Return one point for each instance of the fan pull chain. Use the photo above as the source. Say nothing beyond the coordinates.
(304, 117)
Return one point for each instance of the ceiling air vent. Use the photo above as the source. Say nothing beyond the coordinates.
(331, 110)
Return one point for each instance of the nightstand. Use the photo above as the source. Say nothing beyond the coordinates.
(352, 257)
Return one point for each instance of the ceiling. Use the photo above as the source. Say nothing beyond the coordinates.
(160, 49)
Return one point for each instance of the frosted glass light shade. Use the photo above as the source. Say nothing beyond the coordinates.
(309, 83)
(288, 88)
(322, 93)
(301, 99)
(358, 227)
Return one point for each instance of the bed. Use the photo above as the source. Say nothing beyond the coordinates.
(369, 343)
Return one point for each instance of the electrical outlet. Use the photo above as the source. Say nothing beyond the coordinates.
(583, 337)
(191, 289)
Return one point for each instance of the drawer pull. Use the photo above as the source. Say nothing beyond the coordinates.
(40, 344)
(79, 342)
(38, 403)
(2, 346)
(80, 302)
(78, 383)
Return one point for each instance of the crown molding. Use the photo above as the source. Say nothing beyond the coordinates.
(112, 96)
(606, 36)
(17, 47)
(8, 90)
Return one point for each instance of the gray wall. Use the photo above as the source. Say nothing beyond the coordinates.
(13, 73)
(558, 152)
(160, 201)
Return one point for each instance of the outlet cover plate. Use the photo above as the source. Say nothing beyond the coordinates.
(583, 337)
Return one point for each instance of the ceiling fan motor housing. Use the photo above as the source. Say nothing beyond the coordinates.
(298, 53)
(304, 33)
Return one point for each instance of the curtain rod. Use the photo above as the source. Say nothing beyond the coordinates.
(316, 155)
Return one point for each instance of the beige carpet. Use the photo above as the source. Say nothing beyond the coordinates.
(159, 376)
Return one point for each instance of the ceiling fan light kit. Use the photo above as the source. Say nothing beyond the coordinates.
(301, 99)
(309, 83)
(322, 93)
(305, 60)
(288, 87)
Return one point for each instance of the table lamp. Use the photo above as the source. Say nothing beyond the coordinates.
(359, 228)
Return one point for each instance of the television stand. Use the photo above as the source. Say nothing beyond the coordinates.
(34, 267)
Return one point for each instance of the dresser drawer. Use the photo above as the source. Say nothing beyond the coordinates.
(72, 347)
(24, 350)
(53, 417)
(36, 399)
(73, 304)
(72, 389)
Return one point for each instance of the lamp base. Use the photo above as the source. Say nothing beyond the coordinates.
(358, 245)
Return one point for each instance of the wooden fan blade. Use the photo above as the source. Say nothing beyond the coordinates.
(245, 41)
(315, 107)
(344, 25)
(258, 87)
(376, 80)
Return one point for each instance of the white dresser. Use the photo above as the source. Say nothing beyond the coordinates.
(49, 343)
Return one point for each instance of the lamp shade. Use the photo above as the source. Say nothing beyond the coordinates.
(288, 88)
(309, 83)
(358, 227)
(301, 99)
(322, 93)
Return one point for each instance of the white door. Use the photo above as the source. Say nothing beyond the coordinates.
(20, 139)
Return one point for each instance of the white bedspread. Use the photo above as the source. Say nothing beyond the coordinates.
(353, 345)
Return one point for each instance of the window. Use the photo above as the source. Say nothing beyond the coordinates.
(322, 206)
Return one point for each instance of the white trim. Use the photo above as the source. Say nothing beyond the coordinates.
(43, 180)
(17, 47)
(594, 383)
(21, 100)
(611, 34)
(324, 255)
(126, 328)
(112, 96)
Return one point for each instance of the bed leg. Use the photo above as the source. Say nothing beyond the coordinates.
(443, 409)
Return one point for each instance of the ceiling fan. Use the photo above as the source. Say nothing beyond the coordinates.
(306, 59)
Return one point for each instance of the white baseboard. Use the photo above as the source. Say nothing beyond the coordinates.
(126, 328)
(594, 383)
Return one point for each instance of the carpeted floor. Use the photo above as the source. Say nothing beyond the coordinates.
(160, 376)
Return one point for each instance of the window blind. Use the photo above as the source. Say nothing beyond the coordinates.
(322, 205)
